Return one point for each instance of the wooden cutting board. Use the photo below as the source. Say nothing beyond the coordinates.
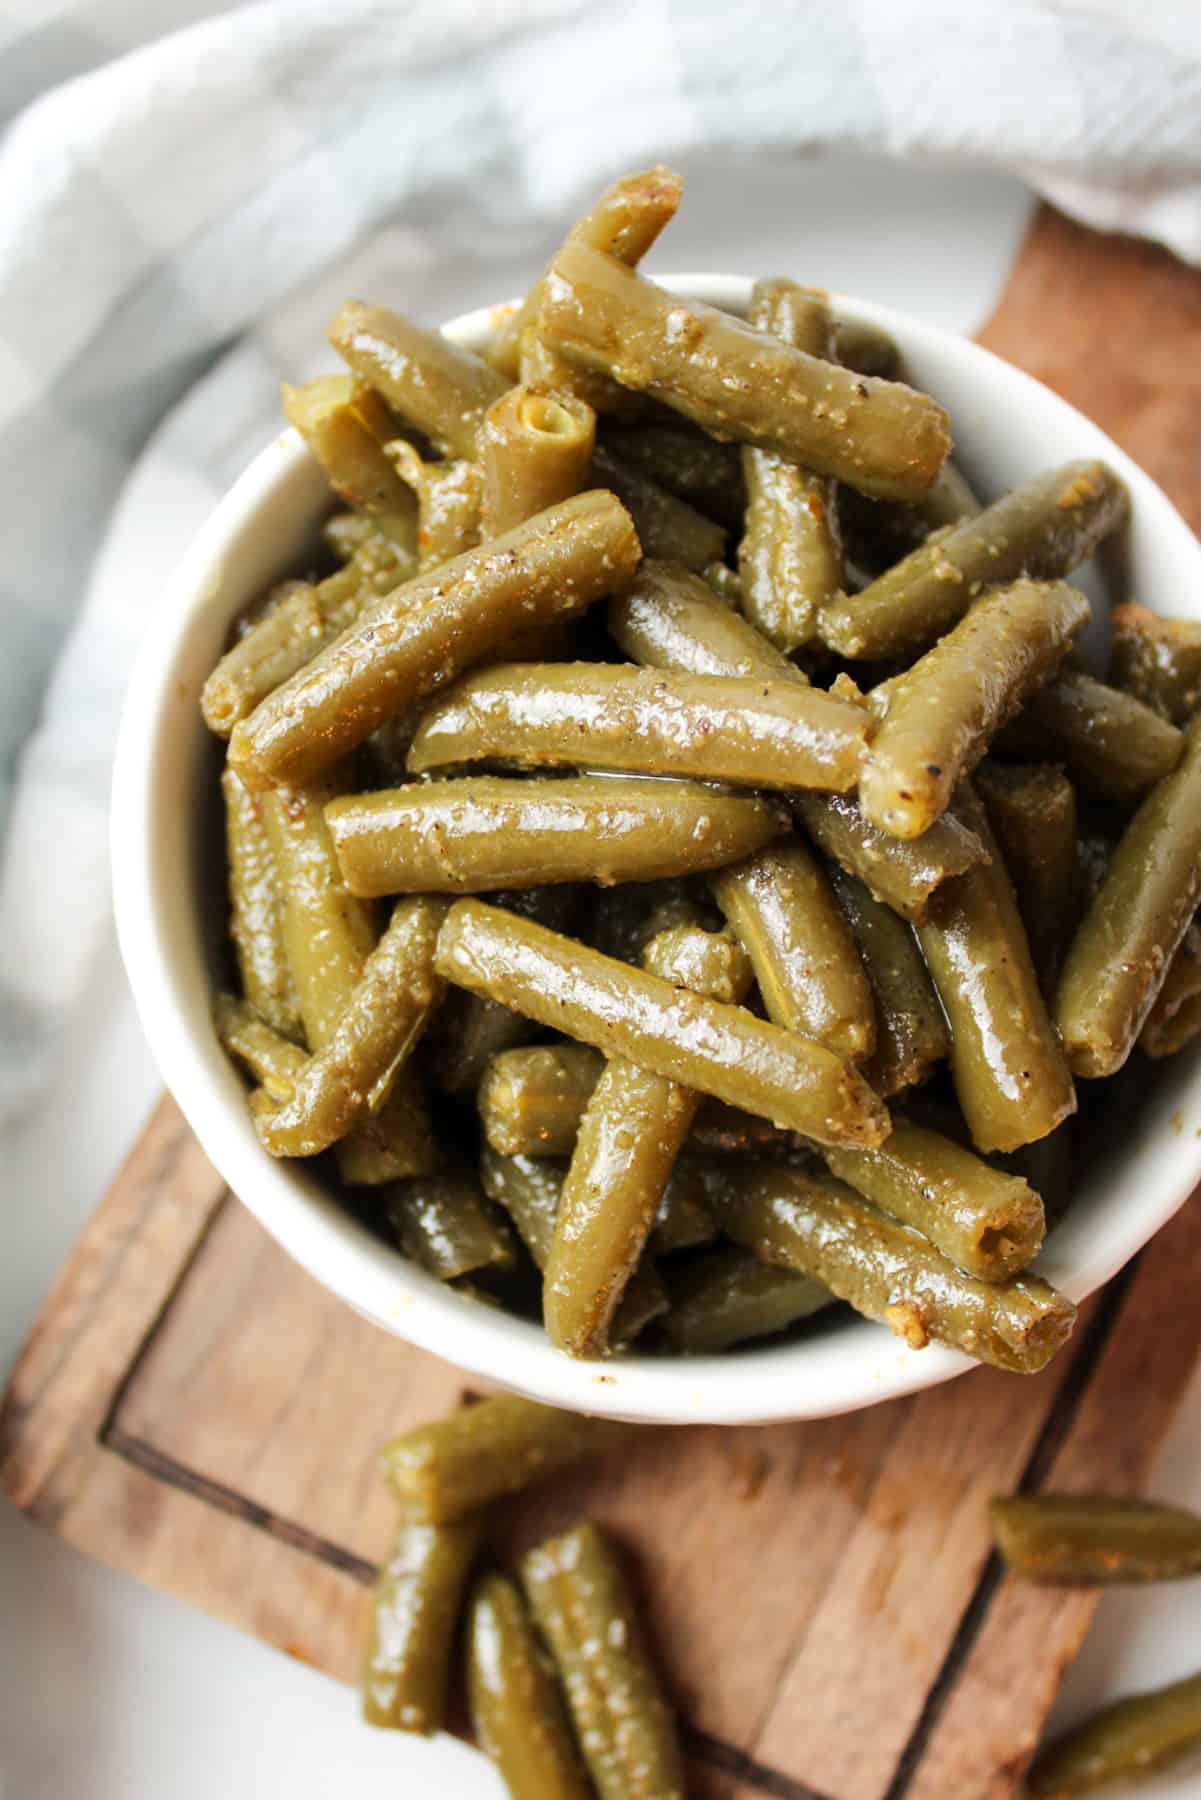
(195, 1409)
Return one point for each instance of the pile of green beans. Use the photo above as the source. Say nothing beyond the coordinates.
(681, 875)
(562, 1692)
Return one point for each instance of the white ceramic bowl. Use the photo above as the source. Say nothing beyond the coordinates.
(170, 913)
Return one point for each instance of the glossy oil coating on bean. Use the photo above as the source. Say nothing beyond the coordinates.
(790, 556)
(1157, 660)
(256, 910)
(1127, 1741)
(535, 450)
(418, 1594)
(625, 222)
(517, 1708)
(1032, 811)
(631, 1133)
(291, 634)
(911, 1032)
(274, 1061)
(1043, 529)
(445, 1470)
(885, 1269)
(986, 1222)
(420, 637)
(667, 526)
(467, 1031)
(688, 463)
(705, 1044)
(445, 1225)
(937, 718)
(382, 1020)
(1081, 1540)
(486, 832)
(1110, 742)
(430, 382)
(1119, 958)
(449, 502)
(807, 965)
(736, 728)
(579, 1597)
(346, 425)
(1011, 1079)
(669, 619)
(729, 1296)
(876, 435)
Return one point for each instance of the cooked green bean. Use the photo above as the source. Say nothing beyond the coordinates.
(346, 425)
(1032, 812)
(911, 1032)
(738, 383)
(418, 1594)
(937, 718)
(255, 910)
(625, 221)
(724, 582)
(1011, 1080)
(735, 728)
(790, 556)
(293, 633)
(807, 966)
(728, 1296)
(529, 1188)
(688, 463)
(867, 349)
(670, 619)
(986, 1222)
(449, 501)
(1175, 1018)
(418, 638)
(531, 1101)
(535, 448)
(446, 1470)
(1113, 744)
(430, 382)
(469, 1032)
(1157, 660)
(1043, 529)
(1117, 962)
(667, 526)
(352, 1073)
(704, 1044)
(632, 1131)
(273, 1060)
(517, 1710)
(1126, 1741)
(583, 1607)
(887, 1270)
(1084, 1540)
(445, 1225)
(328, 935)
(471, 836)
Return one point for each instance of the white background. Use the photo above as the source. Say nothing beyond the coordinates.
(111, 1692)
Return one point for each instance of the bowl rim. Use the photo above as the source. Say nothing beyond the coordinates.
(831, 1373)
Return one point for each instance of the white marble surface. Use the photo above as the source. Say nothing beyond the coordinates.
(111, 1692)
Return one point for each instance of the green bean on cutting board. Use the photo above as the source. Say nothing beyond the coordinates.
(418, 1594)
(1082, 1540)
(1129, 1740)
(517, 1710)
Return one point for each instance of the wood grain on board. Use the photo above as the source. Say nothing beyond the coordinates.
(193, 1408)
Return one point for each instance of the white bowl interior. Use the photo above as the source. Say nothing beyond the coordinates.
(167, 881)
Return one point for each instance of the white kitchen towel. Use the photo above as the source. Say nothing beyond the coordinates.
(179, 213)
